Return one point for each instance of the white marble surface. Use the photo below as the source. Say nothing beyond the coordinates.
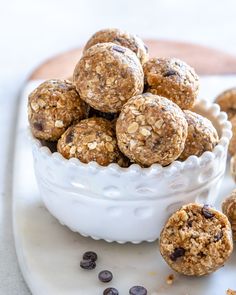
(30, 31)
(49, 253)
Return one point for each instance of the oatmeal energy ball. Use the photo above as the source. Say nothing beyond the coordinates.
(122, 38)
(172, 78)
(202, 136)
(91, 139)
(52, 107)
(107, 76)
(196, 240)
(233, 167)
(227, 102)
(232, 144)
(151, 129)
(229, 209)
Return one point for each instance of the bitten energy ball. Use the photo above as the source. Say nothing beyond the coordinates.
(172, 78)
(151, 129)
(91, 139)
(229, 209)
(227, 102)
(52, 107)
(107, 76)
(122, 38)
(232, 144)
(196, 240)
(202, 135)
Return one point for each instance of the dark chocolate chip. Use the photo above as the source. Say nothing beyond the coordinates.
(69, 137)
(218, 236)
(38, 126)
(138, 290)
(87, 264)
(178, 252)
(169, 73)
(105, 276)
(118, 49)
(110, 291)
(190, 223)
(146, 48)
(201, 254)
(206, 213)
(90, 255)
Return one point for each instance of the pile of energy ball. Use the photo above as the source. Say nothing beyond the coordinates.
(122, 107)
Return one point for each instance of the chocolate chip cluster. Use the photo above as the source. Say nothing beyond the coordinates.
(105, 276)
(122, 107)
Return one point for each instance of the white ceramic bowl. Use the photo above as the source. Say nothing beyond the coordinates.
(129, 204)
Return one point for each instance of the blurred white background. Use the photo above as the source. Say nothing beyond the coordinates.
(32, 30)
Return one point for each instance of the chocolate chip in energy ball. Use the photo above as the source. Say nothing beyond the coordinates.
(88, 264)
(137, 290)
(206, 212)
(110, 291)
(69, 137)
(218, 236)
(178, 252)
(105, 276)
(169, 73)
(118, 49)
(90, 255)
(38, 126)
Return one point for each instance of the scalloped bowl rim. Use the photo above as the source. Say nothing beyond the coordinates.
(214, 108)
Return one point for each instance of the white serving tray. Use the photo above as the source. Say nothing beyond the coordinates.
(49, 253)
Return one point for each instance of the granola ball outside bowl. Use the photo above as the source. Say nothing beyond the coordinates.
(129, 204)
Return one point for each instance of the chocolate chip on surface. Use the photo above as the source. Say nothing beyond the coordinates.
(110, 291)
(137, 290)
(178, 252)
(105, 276)
(90, 255)
(87, 264)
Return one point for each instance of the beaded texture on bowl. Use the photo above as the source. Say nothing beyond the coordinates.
(114, 203)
